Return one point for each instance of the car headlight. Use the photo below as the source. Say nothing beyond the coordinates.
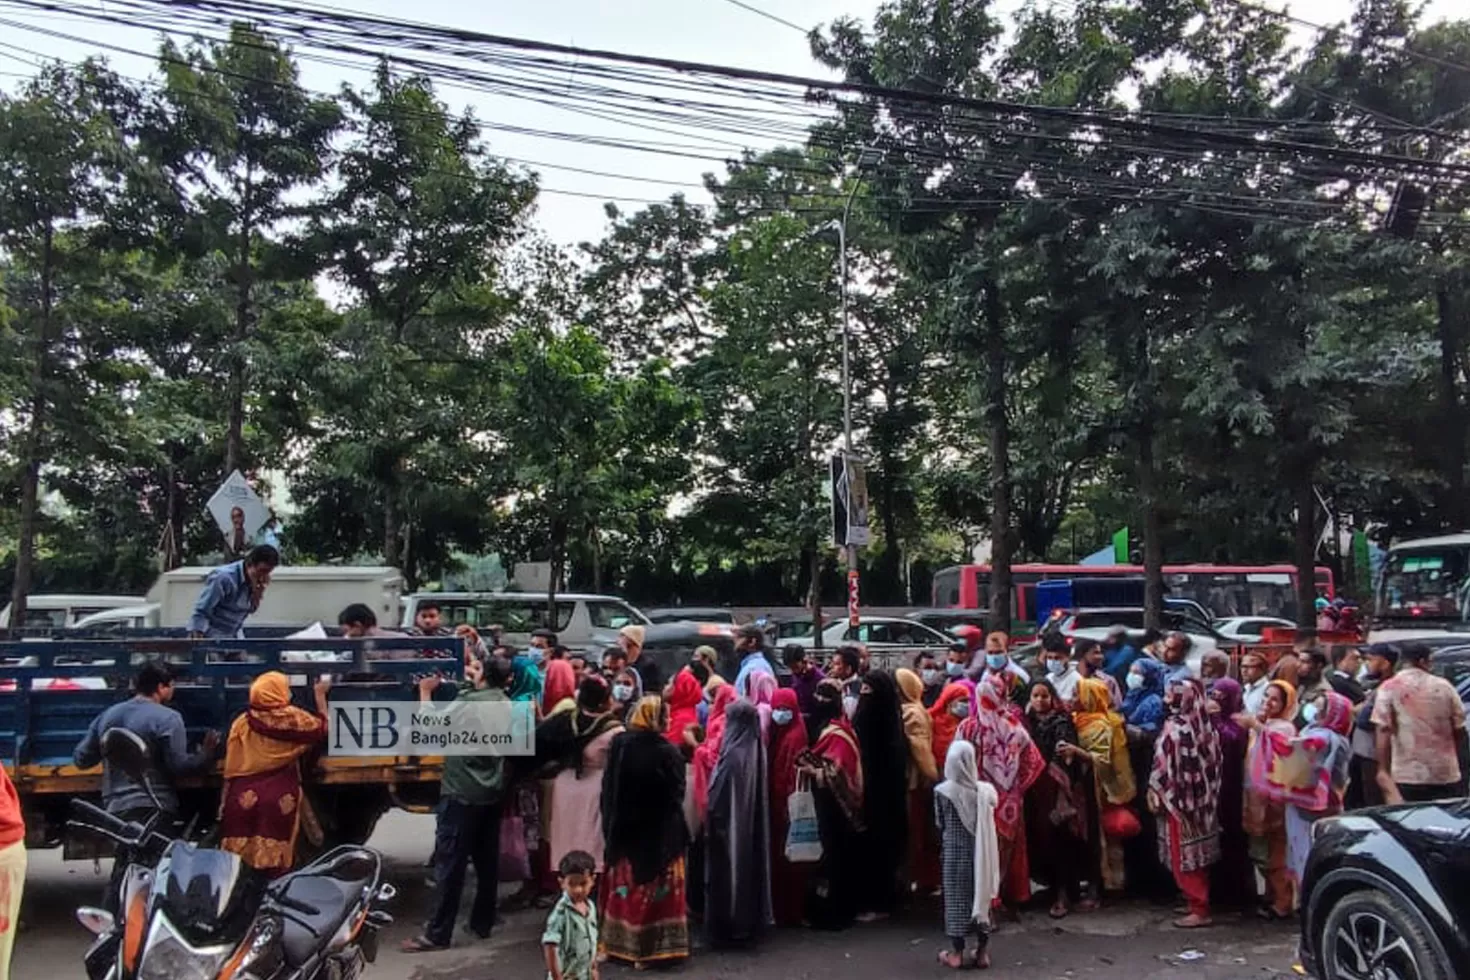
(166, 956)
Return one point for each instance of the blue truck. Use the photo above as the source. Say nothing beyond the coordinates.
(51, 689)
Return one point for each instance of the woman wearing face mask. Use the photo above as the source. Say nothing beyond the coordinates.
(1009, 761)
(627, 690)
(1318, 792)
(952, 708)
(834, 764)
(1143, 713)
(918, 729)
(762, 688)
(788, 742)
(1060, 808)
(1265, 816)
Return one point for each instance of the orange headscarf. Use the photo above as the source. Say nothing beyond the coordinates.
(946, 724)
(560, 685)
(273, 733)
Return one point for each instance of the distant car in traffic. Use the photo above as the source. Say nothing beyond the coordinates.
(948, 620)
(578, 616)
(1095, 624)
(877, 633)
(1248, 629)
(691, 614)
(1384, 897)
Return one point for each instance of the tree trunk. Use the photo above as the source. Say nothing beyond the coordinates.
(1001, 545)
(392, 541)
(30, 478)
(814, 593)
(1452, 412)
(1305, 550)
(597, 559)
(1153, 527)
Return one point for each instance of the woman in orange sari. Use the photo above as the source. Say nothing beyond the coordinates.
(263, 798)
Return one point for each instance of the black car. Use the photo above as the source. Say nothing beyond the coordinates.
(1386, 894)
(947, 620)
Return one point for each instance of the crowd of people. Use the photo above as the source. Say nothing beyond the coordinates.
(834, 795)
(740, 806)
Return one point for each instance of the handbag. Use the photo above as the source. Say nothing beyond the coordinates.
(1119, 822)
(515, 860)
(803, 838)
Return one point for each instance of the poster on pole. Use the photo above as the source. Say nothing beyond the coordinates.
(239, 512)
(850, 507)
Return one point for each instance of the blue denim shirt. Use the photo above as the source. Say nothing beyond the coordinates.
(223, 603)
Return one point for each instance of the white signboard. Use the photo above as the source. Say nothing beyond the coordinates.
(239, 513)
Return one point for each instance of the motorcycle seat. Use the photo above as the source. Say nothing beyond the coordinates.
(332, 886)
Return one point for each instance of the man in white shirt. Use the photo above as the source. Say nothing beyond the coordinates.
(1056, 659)
(1253, 681)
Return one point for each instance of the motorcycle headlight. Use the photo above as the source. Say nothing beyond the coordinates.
(166, 956)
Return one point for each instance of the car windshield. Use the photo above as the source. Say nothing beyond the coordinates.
(1426, 583)
(1132, 618)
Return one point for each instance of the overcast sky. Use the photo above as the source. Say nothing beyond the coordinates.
(717, 31)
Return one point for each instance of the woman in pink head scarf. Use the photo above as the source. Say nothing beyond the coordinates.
(763, 688)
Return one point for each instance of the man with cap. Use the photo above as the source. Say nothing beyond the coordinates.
(973, 637)
(1379, 662)
(750, 644)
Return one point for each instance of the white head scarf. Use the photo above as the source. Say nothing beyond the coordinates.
(975, 802)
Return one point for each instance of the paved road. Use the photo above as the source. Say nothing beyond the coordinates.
(1130, 943)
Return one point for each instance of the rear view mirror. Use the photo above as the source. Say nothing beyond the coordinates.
(128, 751)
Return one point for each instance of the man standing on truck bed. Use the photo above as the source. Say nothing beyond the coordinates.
(146, 715)
(231, 593)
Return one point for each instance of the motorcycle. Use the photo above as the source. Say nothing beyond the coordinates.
(195, 913)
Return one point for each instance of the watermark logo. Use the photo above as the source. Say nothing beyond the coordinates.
(372, 728)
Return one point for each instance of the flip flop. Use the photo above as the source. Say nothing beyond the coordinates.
(420, 944)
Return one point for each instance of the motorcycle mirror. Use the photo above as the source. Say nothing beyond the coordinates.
(127, 751)
(95, 921)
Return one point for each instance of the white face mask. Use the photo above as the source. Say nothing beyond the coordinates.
(623, 692)
(930, 677)
(782, 716)
(1055, 667)
(1135, 682)
(849, 705)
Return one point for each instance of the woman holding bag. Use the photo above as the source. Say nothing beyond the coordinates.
(788, 742)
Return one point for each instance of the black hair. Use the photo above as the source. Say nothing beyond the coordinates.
(1415, 653)
(1340, 652)
(576, 863)
(1184, 639)
(426, 604)
(497, 672)
(151, 676)
(1053, 643)
(793, 654)
(851, 657)
(1151, 636)
(548, 635)
(617, 653)
(592, 693)
(1084, 645)
(1314, 655)
(357, 614)
(700, 670)
(958, 647)
(919, 657)
(560, 652)
(263, 554)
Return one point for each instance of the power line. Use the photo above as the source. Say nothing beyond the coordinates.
(1132, 121)
(770, 16)
(1324, 29)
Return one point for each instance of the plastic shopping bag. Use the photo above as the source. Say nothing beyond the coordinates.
(803, 840)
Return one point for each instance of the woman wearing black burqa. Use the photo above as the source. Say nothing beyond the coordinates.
(643, 914)
(885, 751)
(737, 903)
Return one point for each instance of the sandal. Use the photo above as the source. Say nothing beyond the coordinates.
(1088, 905)
(420, 944)
(951, 959)
(1193, 921)
(1059, 910)
(982, 959)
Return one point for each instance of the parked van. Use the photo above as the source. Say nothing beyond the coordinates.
(61, 611)
(578, 616)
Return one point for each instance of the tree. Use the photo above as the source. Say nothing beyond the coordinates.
(240, 136)
(60, 157)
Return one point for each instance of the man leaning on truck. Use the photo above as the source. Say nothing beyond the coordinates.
(146, 715)
(231, 593)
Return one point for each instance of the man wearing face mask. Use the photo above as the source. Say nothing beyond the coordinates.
(973, 639)
(998, 661)
(933, 678)
(1056, 660)
(958, 662)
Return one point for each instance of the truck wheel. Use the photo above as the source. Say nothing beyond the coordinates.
(349, 818)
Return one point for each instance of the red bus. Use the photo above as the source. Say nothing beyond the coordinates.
(1226, 590)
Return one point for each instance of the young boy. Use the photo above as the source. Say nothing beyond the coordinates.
(570, 939)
